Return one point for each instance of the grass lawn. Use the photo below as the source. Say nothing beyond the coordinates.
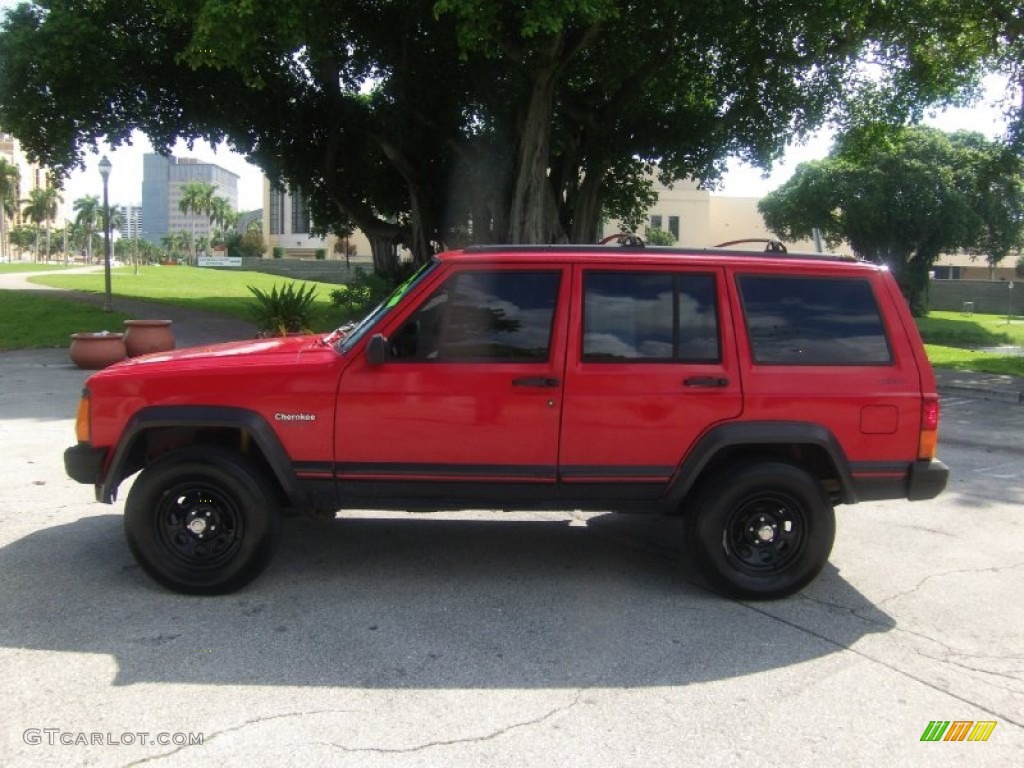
(954, 329)
(951, 340)
(208, 289)
(30, 321)
(967, 360)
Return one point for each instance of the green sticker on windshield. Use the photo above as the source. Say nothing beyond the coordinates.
(401, 290)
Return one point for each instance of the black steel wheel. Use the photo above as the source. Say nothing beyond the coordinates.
(761, 531)
(202, 520)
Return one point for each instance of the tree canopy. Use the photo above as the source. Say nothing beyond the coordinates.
(460, 121)
(904, 196)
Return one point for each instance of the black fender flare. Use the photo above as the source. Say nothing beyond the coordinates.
(750, 433)
(199, 416)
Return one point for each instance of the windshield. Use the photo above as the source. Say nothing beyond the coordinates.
(381, 310)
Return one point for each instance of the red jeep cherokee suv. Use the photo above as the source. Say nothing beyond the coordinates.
(749, 392)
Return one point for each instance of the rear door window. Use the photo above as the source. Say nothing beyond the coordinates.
(813, 321)
(649, 316)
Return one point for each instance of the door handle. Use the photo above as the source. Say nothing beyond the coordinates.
(535, 381)
(706, 381)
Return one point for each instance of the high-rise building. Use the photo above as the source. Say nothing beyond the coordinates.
(163, 179)
(131, 221)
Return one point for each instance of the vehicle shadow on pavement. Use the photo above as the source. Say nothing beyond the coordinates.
(405, 601)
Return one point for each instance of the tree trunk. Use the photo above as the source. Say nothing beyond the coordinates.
(914, 281)
(534, 217)
(419, 236)
(421, 224)
(385, 253)
(587, 216)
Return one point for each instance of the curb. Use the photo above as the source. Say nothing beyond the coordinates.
(995, 395)
(983, 386)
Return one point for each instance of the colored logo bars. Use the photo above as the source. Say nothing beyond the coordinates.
(958, 730)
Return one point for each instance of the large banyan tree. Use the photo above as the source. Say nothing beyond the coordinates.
(428, 122)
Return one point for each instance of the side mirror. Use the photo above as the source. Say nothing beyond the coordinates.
(377, 350)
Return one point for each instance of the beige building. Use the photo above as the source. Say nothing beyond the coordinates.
(699, 218)
(962, 266)
(30, 176)
(695, 217)
(287, 224)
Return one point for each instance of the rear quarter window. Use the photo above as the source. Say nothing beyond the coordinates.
(813, 321)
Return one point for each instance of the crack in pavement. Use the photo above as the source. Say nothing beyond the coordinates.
(1012, 720)
(466, 740)
(378, 750)
(232, 729)
(926, 579)
(980, 671)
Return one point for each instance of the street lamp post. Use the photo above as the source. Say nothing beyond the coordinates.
(108, 305)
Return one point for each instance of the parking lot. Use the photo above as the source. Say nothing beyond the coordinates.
(507, 640)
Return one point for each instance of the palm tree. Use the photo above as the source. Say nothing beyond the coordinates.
(34, 213)
(89, 210)
(51, 199)
(40, 208)
(67, 234)
(22, 238)
(9, 181)
(184, 242)
(115, 221)
(167, 243)
(222, 218)
(197, 197)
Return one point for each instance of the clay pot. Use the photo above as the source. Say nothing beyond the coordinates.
(93, 351)
(143, 337)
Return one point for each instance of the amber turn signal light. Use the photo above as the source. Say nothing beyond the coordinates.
(82, 426)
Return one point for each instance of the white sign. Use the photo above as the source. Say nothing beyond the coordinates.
(220, 261)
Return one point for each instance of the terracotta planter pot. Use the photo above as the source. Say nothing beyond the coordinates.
(93, 351)
(143, 337)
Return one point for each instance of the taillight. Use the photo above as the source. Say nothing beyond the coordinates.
(929, 440)
(83, 429)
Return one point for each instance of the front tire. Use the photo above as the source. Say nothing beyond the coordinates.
(202, 521)
(761, 532)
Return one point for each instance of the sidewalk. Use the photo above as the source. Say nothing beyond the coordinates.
(195, 328)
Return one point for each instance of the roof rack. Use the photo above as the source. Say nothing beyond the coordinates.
(661, 250)
(771, 246)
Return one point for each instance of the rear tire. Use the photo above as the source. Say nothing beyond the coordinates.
(762, 531)
(202, 520)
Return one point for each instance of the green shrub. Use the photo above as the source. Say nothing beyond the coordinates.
(288, 309)
(278, 252)
(362, 293)
(320, 254)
